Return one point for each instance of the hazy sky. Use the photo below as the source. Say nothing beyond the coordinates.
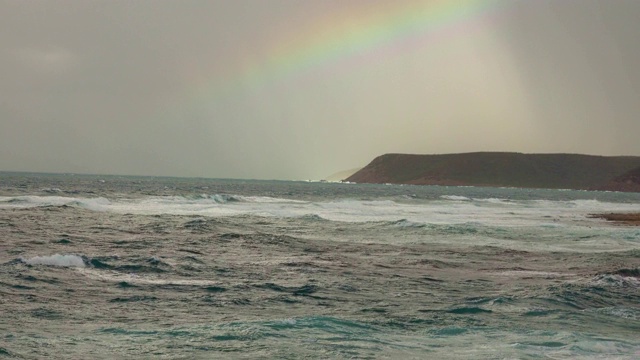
(292, 89)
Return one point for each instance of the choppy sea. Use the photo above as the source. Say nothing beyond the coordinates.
(141, 267)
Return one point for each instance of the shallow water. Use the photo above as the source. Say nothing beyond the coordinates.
(112, 267)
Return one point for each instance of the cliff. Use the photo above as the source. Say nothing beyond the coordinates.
(553, 171)
(629, 181)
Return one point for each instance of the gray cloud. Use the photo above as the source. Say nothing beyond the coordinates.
(154, 87)
(580, 64)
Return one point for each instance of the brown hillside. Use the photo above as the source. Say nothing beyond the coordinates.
(630, 181)
(555, 171)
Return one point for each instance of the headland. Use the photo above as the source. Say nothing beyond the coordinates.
(506, 169)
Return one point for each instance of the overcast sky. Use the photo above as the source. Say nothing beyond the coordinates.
(253, 89)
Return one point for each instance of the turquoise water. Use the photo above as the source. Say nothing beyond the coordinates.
(121, 267)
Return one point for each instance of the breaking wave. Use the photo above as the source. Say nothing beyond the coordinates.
(95, 204)
(404, 223)
(455, 198)
(445, 210)
(56, 260)
(217, 198)
(415, 272)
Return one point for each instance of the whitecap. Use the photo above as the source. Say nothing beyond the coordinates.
(496, 201)
(455, 198)
(267, 199)
(95, 204)
(622, 312)
(614, 280)
(404, 223)
(56, 260)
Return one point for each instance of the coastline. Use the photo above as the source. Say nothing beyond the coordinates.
(630, 219)
(505, 169)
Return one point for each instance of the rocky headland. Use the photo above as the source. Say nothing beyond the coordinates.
(506, 169)
(629, 181)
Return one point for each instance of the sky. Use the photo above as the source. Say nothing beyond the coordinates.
(290, 89)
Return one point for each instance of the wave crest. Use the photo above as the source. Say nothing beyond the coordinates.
(455, 198)
(95, 204)
(56, 260)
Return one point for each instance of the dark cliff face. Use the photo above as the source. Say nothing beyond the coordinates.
(630, 181)
(554, 171)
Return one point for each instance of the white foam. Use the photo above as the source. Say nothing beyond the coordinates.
(138, 279)
(448, 210)
(455, 198)
(533, 273)
(267, 199)
(407, 224)
(612, 280)
(56, 260)
(497, 201)
(622, 312)
(96, 204)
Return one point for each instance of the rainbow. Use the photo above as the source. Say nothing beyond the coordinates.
(346, 35)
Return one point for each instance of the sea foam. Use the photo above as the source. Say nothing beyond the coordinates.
(95, 204)
(455, 198)
(449, 209)
(56, 260)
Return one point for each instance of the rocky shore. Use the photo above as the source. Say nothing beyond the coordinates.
(632, 219)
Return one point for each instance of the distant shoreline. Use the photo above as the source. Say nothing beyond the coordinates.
(631, 219)
(506, 169)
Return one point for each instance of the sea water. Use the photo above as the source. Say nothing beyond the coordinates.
(142, 267)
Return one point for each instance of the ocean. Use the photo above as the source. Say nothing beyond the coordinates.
(181, 268)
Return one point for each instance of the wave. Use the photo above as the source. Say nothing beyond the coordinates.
(616, 280)
(228, 198)
(148, 265)
(267, 199)
(497, 201)
(152, 264)
(200, 225)
(217, 198)
(51, 190)
(99, 203)
(447, 210)
(629, 273)
(492, 200)
(455, 198)
(312, 217)
(404, 223)
(56, 260)
(579, 204)
(95, 204)
(468, 310)
(619, 311)
(127, 277)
